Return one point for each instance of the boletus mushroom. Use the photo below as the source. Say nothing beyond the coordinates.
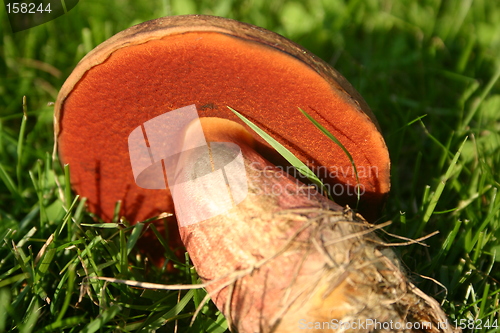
(272, 262)
(212, 62)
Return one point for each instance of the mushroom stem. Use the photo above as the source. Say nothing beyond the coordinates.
(286, 258)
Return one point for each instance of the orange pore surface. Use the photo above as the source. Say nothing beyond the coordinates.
(213, 71)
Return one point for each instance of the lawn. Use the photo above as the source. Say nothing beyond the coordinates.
(428, 69)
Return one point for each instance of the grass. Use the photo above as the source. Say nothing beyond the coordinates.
(429, 70)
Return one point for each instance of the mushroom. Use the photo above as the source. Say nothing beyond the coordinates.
(212, 62)
(271, 262)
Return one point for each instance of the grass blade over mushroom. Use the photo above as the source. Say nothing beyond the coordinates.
(344, 149)
(294, 161)
(283, 151)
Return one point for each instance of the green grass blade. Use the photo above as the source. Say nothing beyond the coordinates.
(5, 299)
(7, 180)
(434, 198)
(44, 264)
(31, 318)
(67, 187)
(68, 294)
(219, 325)
(283, 151)
(116, 213)
(123, 252)
(169, 254)
(102, 225)
(20, 144)
(408, 124)
(67, 322)
(486, 91)
(99, 322)
(338, 143)
(13, 279)
(134, 236)
(156, 321)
